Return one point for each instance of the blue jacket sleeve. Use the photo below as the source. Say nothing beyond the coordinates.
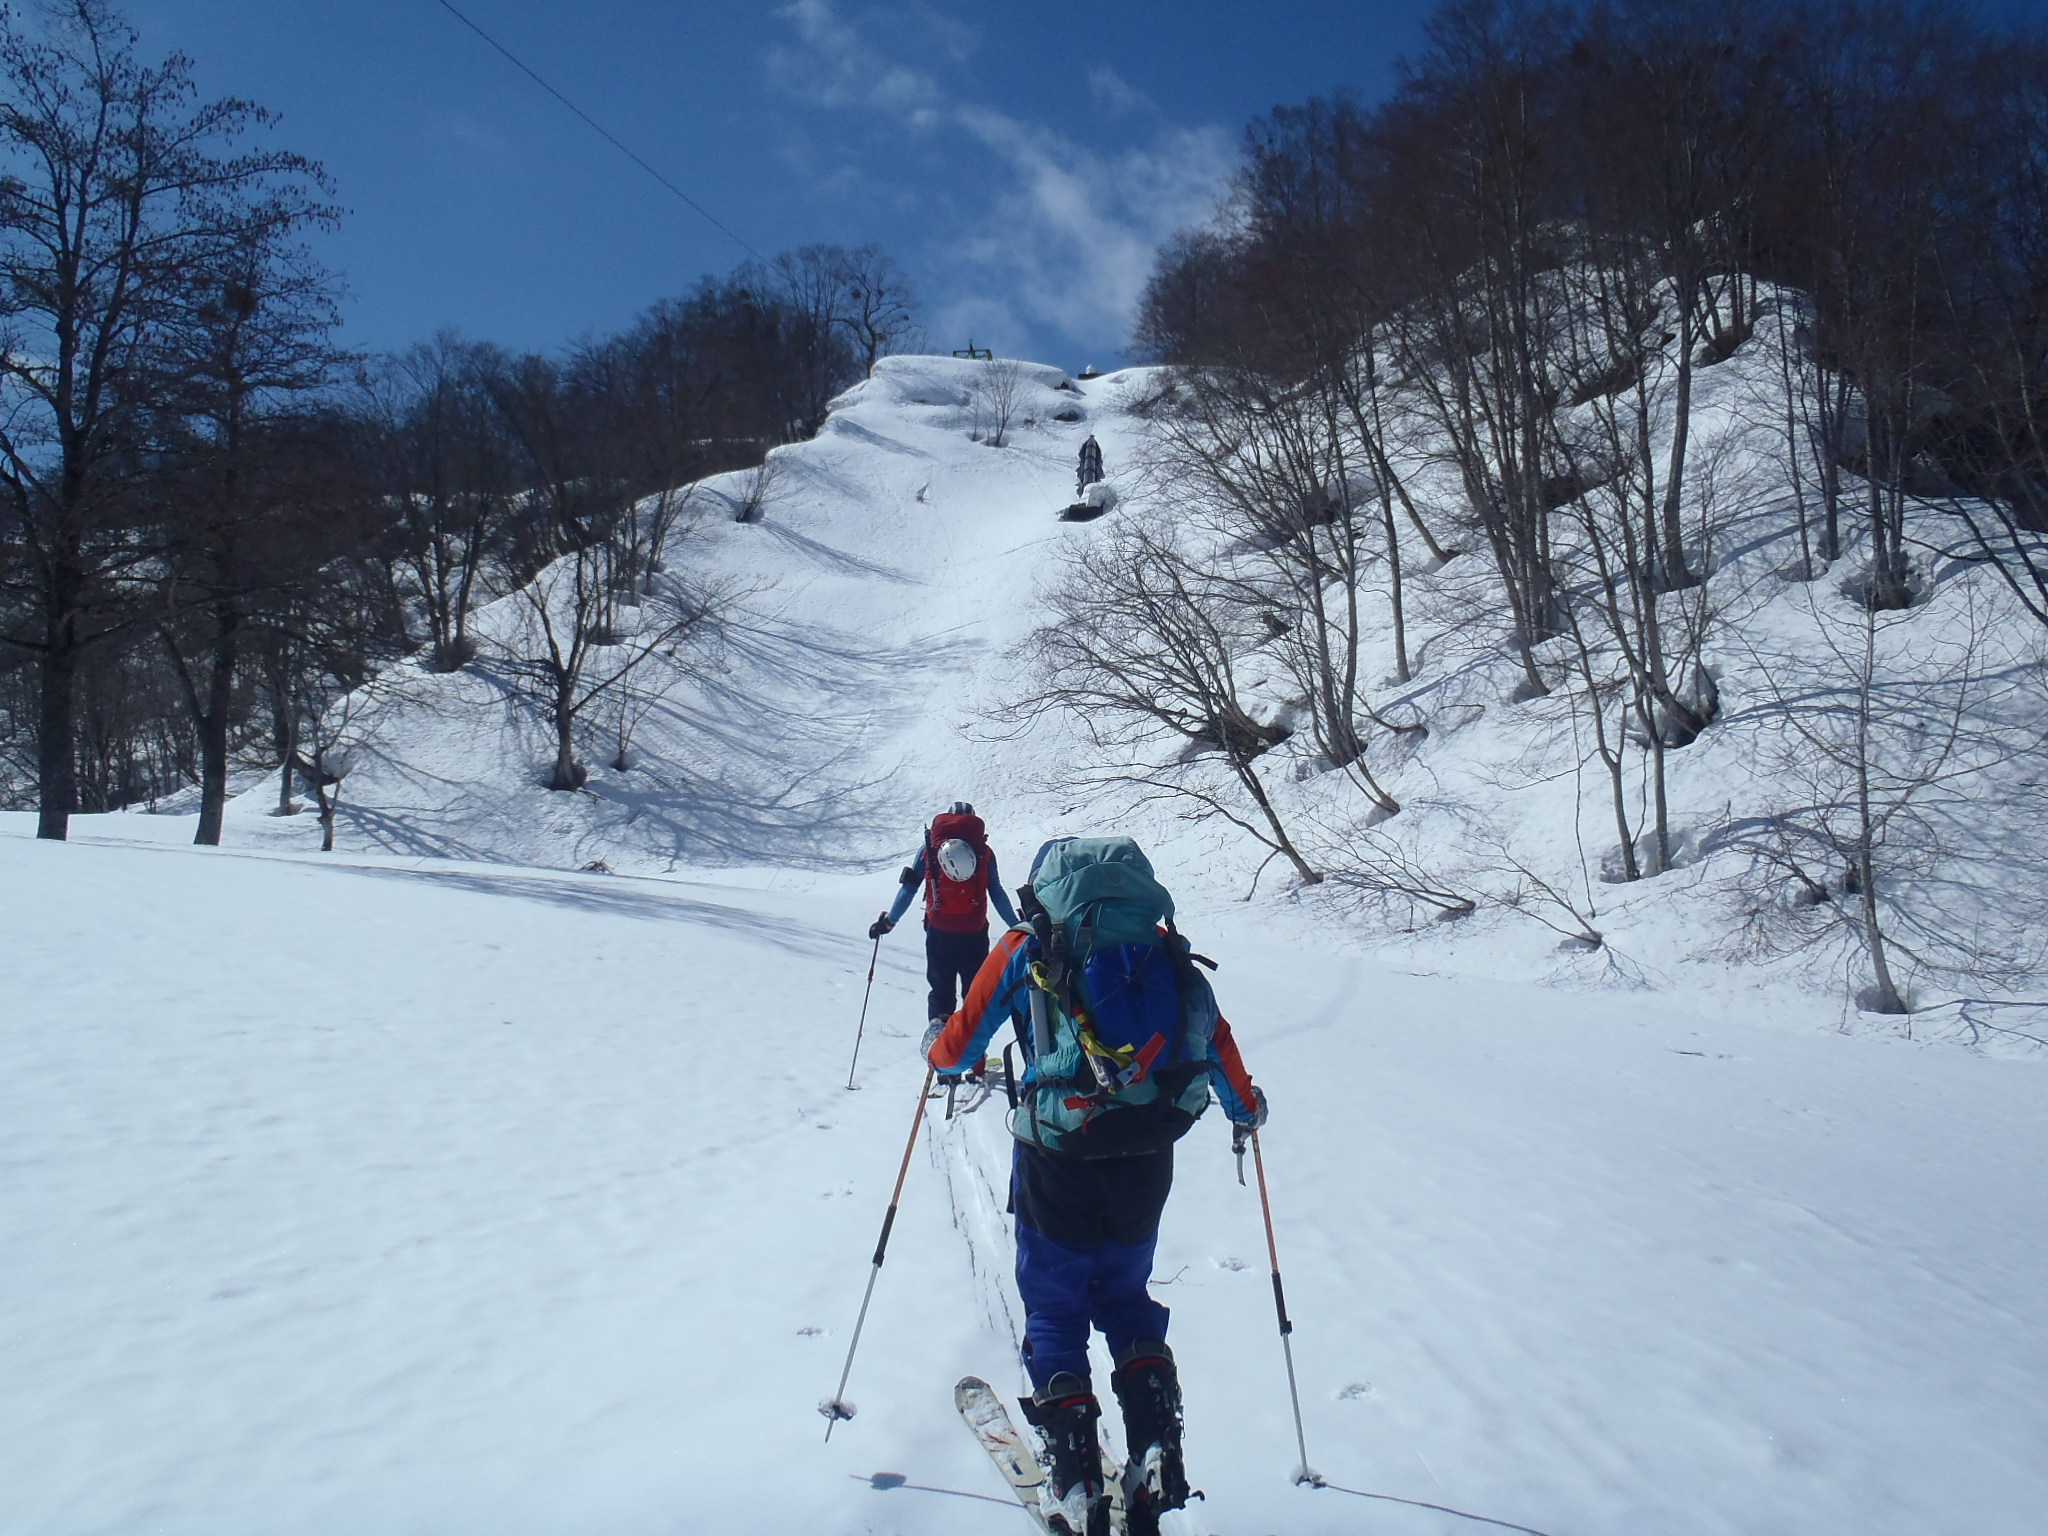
(904, 892)
(995, 892)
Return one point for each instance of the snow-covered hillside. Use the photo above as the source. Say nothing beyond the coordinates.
(891, 568)
(861, 679)
(399, 1196)
(444, 1184)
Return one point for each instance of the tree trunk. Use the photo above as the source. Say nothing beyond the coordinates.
(327, 807)
(1631, 868)
(1673, 574)
(1394, 593)
(568, 773)
(284, 732)
(56, 719)
(1886, 997)
(213, 723)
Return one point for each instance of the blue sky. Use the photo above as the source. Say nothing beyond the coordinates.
(1020, 160)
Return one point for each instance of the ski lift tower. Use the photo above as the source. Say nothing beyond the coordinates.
(974, 353)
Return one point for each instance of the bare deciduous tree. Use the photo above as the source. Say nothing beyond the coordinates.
(119, 188)
(1276, 471)
(1142, 646)
(993, 402)
(1891, 732)
(564, 654)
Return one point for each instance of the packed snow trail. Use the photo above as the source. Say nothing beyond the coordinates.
(416, 1191)
(347, 1195)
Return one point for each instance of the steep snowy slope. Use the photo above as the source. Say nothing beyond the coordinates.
(892, 566)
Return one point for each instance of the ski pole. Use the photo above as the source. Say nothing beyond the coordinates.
(1304, 1473)
(863, 1013)
(837, 1407)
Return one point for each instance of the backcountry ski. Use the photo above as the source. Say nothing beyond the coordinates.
(983, 1413)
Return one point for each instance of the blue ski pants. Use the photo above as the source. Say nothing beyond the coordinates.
(1093, 1274)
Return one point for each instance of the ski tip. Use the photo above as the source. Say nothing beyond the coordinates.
(970, 1386)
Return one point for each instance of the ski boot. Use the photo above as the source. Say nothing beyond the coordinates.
(1148, 1391)
(1064, 1412)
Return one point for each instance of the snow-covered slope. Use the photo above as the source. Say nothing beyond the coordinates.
(437, 1186)
(432, 1199)
(860, 681)
(877, 592)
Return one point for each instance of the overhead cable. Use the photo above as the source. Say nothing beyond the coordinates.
(609, 137)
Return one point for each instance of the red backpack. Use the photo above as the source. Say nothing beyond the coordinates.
(956, 906)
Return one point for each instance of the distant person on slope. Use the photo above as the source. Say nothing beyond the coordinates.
(1090, 469)
(1123, 1046)
(957, 870)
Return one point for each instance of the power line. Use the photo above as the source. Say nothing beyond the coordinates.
(608, 135)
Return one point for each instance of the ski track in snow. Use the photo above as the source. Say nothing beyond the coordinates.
(399, 1192)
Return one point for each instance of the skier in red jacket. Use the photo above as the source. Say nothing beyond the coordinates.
(957, 870)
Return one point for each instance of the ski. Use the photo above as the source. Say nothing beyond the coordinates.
(983, 1413)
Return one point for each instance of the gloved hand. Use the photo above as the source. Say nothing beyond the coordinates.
(932, 1032)
(1257, 1117)
(880, 926)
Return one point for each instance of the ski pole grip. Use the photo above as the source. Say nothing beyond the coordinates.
(1279, 1304)
(882, 1242)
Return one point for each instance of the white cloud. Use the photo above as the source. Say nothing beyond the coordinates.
(1113, 93)
(1074, 230)
(1063, 237)
(835, 68)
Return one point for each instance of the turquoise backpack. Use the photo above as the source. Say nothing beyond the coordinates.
(1121, 1038)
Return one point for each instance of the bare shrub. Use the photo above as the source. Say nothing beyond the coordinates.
(994, 401)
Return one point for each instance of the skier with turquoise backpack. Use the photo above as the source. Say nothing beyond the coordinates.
(1122, 1048)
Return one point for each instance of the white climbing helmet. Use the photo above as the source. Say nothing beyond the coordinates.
(957, 859)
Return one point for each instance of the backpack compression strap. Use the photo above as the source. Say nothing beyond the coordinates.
(1110, 1068)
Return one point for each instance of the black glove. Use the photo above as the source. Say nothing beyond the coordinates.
(880, 926)
(1257, 1115)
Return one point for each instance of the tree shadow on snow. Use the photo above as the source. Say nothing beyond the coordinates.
(608, 896)
(837, 561)
(837, 426)
(768, 758)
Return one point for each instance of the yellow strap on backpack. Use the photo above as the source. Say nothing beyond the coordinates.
(1120, 1054)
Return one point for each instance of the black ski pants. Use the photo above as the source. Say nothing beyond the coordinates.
(950, 961)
